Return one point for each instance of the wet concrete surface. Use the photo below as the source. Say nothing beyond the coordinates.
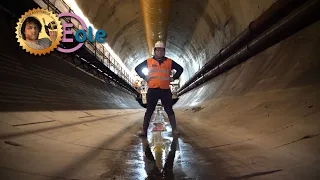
(212, 144)
(164, 156)
(98, 147)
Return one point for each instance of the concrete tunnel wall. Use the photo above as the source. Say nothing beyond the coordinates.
(264, 112)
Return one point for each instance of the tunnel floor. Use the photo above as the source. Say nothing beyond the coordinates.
(100, 145)
(214, 144)
(103, 144)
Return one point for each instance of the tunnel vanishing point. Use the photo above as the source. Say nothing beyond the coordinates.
(249, 96)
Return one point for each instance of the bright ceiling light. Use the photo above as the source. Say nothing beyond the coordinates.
(77, 11)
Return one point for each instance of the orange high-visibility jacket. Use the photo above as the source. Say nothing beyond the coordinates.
(159, 75)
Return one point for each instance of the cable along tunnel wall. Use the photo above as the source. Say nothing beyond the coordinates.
(266, 69)
(264, 111)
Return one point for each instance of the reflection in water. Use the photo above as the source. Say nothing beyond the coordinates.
(153, 166)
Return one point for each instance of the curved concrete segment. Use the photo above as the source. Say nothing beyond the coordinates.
(260, 120)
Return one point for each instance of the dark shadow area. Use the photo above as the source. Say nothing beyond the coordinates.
(303, 138)
(23, 173)
(81, 162)
(253, 175)
(183, 161)
(153, 171)
(13, 135)
(21, 9)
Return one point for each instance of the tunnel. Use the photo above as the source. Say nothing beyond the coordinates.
(249, 95)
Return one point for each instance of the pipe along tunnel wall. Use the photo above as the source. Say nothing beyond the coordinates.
(265, 111)
(261, 118)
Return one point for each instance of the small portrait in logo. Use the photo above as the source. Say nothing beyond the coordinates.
(31, 29)
(39, 31)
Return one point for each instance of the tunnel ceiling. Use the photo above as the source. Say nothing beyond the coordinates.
(197, 30)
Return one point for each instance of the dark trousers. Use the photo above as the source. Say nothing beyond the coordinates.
(153, 95)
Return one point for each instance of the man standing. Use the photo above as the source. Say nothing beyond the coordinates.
(158, 79)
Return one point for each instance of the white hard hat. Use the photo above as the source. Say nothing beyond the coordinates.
(159, 44)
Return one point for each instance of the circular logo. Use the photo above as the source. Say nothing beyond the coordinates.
(84, 26)
(39, 31)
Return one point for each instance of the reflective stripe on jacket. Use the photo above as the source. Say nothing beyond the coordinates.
(159, 74)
